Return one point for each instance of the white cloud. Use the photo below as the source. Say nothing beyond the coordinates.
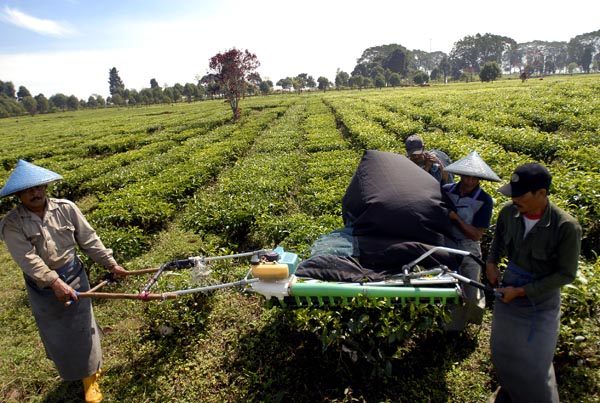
(39, 25)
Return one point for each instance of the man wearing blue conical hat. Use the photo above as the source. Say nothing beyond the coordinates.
(42, 235)
(471, 218)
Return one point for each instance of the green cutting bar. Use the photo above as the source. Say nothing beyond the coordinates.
(312, 290)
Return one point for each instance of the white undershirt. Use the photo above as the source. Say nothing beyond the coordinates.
(529, 223)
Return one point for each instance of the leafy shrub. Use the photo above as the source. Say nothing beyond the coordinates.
(368, 331)
(579, 341)
(126, 243)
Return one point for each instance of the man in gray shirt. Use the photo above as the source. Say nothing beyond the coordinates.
(42, 235)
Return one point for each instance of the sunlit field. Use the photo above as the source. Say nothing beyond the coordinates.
(167, 182)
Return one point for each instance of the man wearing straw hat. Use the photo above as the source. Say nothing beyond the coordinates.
(471, 218)
(42, 235)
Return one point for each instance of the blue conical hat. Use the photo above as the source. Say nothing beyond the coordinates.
(473, 165)
(27, 175)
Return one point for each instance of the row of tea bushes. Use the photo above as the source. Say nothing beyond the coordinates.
(70, 137)
(150, 202)
(365, 133)
(328, 165)
(260, 184)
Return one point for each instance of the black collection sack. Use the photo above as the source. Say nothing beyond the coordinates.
(394, 212)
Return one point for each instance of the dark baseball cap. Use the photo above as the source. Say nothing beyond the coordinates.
(414, 145)
(527, 178)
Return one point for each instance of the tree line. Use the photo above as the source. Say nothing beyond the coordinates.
(485, 56)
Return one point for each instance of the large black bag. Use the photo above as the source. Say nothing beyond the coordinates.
(390, 196)
(394, 212)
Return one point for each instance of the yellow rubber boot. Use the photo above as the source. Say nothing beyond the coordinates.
(91, 388)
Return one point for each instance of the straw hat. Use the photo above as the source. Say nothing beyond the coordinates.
(27, 175)
(473, 165)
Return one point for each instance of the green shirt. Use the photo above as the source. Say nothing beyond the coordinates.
(550, 251)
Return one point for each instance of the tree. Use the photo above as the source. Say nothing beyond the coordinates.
(115, 83)
(200, 92)
(394, 80)
(341, 79)
(540, 56)
(233, 69)
(586, 58)
(357, 81)
(425, 61)
(446, 68)
(72, 103)
(7, 88)
(285, 83)
(118, 100)
(43, 105)
(377, 71)
(101, 101)
(59, 101)
(513, 57)
(396, 61)
(133, 97)
(550, 66)
(92, 102)
(22, 93)
(490, 72)
(266, 87)
(300, 81)
(323, 83)
(474, 51)
(168, 95)
(189, 91)
(177, 92)
(10, 107)
(210, 85)
(146, 96)
(30, 104)
(420, 78)
(571, 67)
(376, 60)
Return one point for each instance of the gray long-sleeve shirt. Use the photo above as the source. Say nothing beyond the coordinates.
(550, 251)
(40, 246)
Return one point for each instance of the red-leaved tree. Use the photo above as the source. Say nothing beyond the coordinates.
(233, 70)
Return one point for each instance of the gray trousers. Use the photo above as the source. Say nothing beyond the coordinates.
(523, 340)
(70, 335)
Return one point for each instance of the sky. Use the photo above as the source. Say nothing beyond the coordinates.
(69, 46)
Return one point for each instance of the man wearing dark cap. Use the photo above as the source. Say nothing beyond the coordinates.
(542, 244)
(430, 161)
(42, 235)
